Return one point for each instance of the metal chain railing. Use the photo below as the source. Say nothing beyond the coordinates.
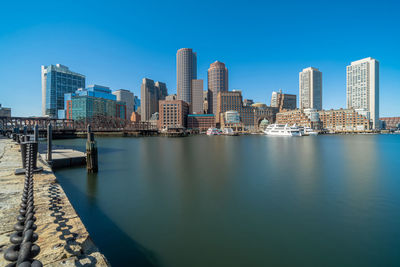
(24, 249)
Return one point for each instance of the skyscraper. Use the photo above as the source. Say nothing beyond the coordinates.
(363, 87)
(151, 93)
(186, 71)
(126, 96)
(310, 87)
(58, 80)
(197, 97)
(283, 101)
(217, 82)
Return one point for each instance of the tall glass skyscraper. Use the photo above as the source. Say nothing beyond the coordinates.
(186, 71)
(58, 80)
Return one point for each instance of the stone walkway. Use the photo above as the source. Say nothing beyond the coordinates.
(63, 239)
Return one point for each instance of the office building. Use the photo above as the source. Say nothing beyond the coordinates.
(310, 88)
(173, 114)
(363, 87)
(126, 96)
(283, 101)
(136, 102)
(201, 122)
(231, 119)
(186, 71)
(205, 101)
(58, 80)
(217, 82)
(93, 101)
(197, 97)
(5, 112)
(151, 93)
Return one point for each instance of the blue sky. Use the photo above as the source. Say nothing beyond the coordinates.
(263, 43)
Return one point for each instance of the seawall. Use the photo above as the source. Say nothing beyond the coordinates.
(63, 239)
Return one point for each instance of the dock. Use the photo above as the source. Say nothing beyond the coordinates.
(63, 239)
(65, 157)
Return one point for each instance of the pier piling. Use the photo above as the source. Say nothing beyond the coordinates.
(91, 152)
(49, 142)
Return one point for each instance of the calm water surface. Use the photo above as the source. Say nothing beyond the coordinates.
(242, 201)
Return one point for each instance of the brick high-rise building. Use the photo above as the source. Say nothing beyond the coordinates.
(217, 82)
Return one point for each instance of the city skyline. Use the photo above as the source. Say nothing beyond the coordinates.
(115, 57)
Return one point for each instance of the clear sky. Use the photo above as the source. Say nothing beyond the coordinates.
(265, 44)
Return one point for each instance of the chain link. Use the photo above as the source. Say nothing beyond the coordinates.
(23, 250)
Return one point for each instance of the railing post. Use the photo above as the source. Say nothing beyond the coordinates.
(49, 142)
(36, 133)
(91, 152)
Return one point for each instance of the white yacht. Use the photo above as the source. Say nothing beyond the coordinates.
(282, 130)
(213, 131)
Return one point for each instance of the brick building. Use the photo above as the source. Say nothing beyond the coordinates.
(172, 114)
(201, 122)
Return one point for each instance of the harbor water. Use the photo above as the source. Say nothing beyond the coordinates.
(252, 200)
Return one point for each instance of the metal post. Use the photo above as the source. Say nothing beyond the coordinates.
(36, 132)
(49, 145)
(91, 152)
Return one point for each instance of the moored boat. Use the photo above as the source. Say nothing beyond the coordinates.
(282, 130)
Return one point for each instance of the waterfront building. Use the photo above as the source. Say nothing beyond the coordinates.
(5, 112)
(95, 100)
(310, 88)
(390, 122)
(231, 119)
(197, 97)
(363, 87)
(283, 101)
(151, 93)
(58, 80)
(345, 120)
(217, 82)
(300, 117)
(173, 114)
(126, 96)
(186, 71)
(135, 117)
(250, 116)
(201, 122)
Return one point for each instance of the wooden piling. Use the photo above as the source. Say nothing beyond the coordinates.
(91, 152)
(49, 142)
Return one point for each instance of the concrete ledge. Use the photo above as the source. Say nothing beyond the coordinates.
(63, 239)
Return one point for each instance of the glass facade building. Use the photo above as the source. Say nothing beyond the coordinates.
(93, 101)
(58, 80)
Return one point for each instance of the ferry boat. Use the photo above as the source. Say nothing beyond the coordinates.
(282, 130)
(213, 131)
